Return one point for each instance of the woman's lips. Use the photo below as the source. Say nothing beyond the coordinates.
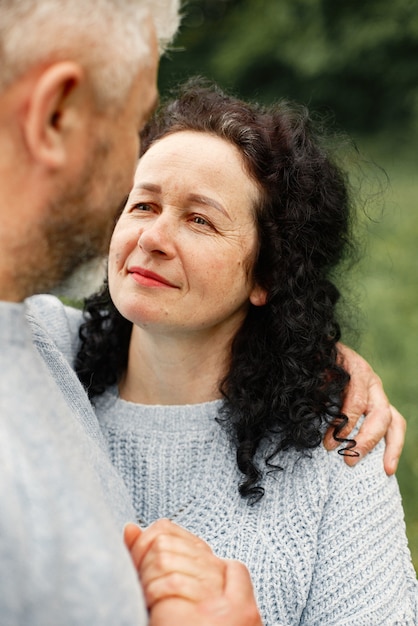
(149, 279)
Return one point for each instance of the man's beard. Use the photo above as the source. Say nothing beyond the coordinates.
(76, 229)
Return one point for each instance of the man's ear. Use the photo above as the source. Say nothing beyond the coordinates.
(52, 111)
(258, 296)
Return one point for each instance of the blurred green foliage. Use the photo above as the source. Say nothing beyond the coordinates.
(357, 61)
(388, 275)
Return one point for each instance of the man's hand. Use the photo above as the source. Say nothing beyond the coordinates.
(365, 396)
(185, 583)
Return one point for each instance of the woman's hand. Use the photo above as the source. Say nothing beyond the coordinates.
(185, 583)
(365, 395)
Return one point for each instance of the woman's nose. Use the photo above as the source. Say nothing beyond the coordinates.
(157, 237)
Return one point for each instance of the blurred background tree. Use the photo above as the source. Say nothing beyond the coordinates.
(357, 59)
(357, 62)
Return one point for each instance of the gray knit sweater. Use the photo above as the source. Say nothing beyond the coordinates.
(62, 559)
(326, 545)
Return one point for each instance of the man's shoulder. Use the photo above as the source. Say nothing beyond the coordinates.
(53, 321)
(47, 309)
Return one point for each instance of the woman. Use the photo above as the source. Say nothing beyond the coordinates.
(211, 358)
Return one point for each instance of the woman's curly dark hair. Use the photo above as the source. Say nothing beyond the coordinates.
(285, 382)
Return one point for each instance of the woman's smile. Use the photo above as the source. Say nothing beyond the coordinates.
(147, 278)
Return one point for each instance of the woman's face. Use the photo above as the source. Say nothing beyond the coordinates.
(182, 251)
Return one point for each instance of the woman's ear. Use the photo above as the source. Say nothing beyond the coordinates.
(258, 296)
(52, 111)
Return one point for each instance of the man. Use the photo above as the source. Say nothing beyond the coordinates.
(78, 81)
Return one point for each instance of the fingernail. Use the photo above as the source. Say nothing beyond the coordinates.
(355, 458)
(393, 465)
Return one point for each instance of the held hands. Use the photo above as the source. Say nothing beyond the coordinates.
(365, 395)
(185, 583)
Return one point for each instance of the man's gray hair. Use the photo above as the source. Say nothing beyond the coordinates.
(111, 38)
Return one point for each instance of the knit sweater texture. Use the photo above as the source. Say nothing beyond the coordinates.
(326, 545)
(62, 558)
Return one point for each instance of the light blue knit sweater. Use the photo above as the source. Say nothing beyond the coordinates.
(325, 546)
(62, 558)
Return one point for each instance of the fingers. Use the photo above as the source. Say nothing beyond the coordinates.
(354, 406)
(164, 535)
(374, 427)
(168, 573)
(378, 419)
(173, 563)
(380, 422)
(373, 430)
(365, 395)
(235, 606)
(357, 392)
(131, 534)
(238, 587)
(395, 439)
(185, 583)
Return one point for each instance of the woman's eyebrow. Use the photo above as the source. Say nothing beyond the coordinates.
(201, 199)
(148, 187)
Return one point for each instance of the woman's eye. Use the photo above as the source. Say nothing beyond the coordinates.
(197, 219)
(142, 206)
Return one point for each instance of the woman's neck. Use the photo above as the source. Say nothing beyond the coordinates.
(184, 369)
